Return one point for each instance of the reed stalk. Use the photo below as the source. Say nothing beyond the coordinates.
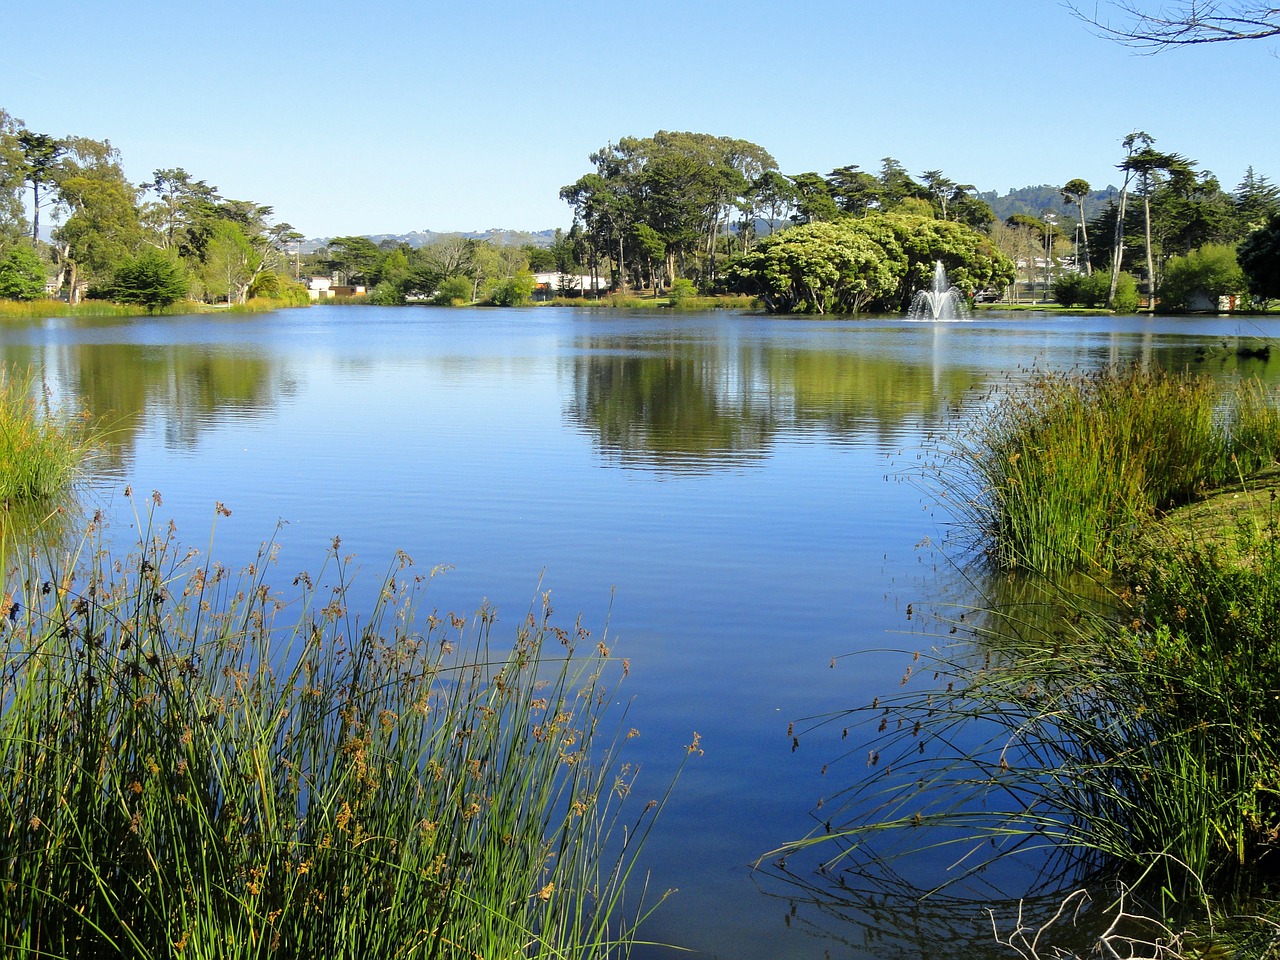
(193, 766)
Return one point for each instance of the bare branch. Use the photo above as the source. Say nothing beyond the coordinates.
(1184, 24)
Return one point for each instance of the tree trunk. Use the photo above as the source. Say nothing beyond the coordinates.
(1117, 250)
(1084, 240)
(1151, 270)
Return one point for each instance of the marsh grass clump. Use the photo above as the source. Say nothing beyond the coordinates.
(192, 766)
(1065, 471)
(42, 447)
(1136, 742)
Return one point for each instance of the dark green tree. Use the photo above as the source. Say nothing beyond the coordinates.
(153, 279)
(1259, 257)
(813, 203)
(1256, 201)
(40, 153)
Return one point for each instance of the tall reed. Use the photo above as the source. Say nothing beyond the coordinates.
(42, 447)
(193, 766)
(1139, 740)
(1064, 471)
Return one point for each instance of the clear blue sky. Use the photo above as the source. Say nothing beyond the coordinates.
(386, 116)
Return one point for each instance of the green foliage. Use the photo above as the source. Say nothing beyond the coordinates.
(187, 774)
(42, 449)
(1067, 472)
(153, 279)
(682, 291)
(1126, 298)
(1076, 289)
(22, 274)
(1259, 257)
(875, 262)
(386, 294)
(452, 292)
(1211, 272)
(513, 291)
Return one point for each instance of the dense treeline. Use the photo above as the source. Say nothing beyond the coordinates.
(152, 243)
(670, 213)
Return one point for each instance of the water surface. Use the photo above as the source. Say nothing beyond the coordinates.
(740, 500)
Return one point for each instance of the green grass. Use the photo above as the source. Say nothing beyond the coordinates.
(1065, 471)
(42, 448)
(193, 765)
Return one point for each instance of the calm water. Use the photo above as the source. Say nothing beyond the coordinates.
(739, 499)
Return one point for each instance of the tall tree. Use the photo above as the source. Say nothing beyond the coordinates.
(1075, 192)
(1259, 257)
(1256, 201)
(855, 191)
(181, 202)
(12, 182)
(40, 153)
(1148, 165)
(102, 227)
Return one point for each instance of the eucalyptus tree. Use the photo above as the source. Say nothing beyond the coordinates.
(773, 197)
(12, 182)
(1075, 192)
(102, 226)
(686, 187)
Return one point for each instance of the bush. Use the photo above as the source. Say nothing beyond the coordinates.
(1068, 289)
(1126, 298)
(1211, 272)
(513, 291)
(387, 294)
(22, 274)
(452, 292)
(153, 279)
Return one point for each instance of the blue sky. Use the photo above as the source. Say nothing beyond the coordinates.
(390, 116)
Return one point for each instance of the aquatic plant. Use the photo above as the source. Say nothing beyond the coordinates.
(192, 765)
(1064, 470)
(42, 447)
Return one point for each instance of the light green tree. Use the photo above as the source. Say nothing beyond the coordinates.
(12, 182)
(102, 226)
(22, 274)
(1211, 271)
(232, 262)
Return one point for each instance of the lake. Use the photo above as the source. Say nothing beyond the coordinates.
(741, 501)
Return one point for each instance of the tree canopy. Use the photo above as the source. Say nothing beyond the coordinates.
(860, 263)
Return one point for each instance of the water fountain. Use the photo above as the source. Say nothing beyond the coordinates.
(941, 302)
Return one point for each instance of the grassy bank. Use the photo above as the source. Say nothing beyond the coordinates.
(194, 765)
(42, 447)
(29, 309)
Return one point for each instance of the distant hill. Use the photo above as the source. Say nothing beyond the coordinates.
(421, 238)
(1034, 201)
